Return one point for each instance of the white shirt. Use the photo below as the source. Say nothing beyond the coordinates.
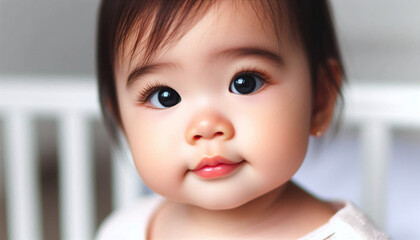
(131, 223)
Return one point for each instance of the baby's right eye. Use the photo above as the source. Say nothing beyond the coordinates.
(165, 97)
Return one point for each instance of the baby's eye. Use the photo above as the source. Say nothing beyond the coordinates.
(165, 97)
(246, 83)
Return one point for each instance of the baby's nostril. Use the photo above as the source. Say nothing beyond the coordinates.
(218, 134)
(196, 137)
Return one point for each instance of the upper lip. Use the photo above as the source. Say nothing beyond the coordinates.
(212, 161)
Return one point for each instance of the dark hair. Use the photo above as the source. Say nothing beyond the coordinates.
(160, 22)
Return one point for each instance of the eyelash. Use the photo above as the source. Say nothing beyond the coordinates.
(151, 88)
(258, 72)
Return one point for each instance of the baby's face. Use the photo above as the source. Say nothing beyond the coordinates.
(232, 121)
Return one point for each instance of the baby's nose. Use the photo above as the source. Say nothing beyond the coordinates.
(209, 125)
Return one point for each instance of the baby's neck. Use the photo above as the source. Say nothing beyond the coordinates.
(281, 212)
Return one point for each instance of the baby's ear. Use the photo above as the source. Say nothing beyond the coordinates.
(324, 99)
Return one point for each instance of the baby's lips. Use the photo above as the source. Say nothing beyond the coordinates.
(215, 167)
(213, 161)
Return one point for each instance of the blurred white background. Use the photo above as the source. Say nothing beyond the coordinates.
(380, 42)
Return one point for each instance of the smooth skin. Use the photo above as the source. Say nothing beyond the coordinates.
(267, 130)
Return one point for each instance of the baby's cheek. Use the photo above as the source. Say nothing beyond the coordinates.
(274, 141)
(154, 158)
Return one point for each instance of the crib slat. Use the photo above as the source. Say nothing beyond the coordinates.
(22, 179)
(375, 139)
(76, 178)
(126, 184)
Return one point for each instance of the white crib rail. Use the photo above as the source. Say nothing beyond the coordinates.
(75, 181)
(73, 102)
(377, 110)
(23, 194)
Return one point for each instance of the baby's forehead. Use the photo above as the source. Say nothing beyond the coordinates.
(151, 33)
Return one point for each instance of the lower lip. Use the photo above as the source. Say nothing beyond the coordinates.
(216, 171)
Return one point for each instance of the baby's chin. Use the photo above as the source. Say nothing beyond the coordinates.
(231, 201)
(221, 202)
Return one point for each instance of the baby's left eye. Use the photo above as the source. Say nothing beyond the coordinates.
(246, 83)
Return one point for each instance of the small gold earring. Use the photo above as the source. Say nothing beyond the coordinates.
(318, 134)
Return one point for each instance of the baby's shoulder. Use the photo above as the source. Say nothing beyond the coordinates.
(129, 222)
(349, 222)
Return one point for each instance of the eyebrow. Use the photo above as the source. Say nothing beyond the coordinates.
(145, 69)
(239, 52)
(258, 52)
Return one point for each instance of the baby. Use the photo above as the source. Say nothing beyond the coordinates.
(217, 100)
